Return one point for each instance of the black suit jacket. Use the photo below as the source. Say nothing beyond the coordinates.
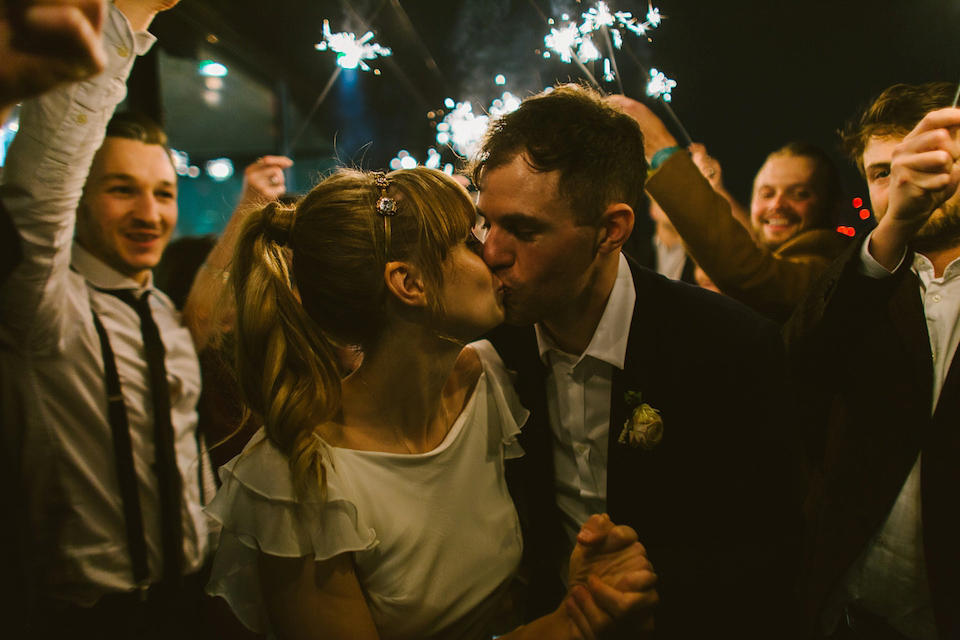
(860, 350)
(716, 502)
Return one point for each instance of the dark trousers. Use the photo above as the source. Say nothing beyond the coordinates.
(181, 614)
(859, 624)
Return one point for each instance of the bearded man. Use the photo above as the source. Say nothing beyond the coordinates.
(872, 349)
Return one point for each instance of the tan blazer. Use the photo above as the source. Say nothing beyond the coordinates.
(771, 282)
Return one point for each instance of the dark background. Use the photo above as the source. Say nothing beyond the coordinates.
(751, 74)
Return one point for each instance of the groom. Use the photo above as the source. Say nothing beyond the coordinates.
(659, 403)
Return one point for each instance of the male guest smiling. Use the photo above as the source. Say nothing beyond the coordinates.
(100, 376)
(796, 197)
(643, 391)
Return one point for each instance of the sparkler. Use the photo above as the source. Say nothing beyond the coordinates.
(462, 129)
(405, 160)
(570, 45)
(574, 43)
(351, 53)
(660, 85)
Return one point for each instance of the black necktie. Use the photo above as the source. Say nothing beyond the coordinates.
(168, 474)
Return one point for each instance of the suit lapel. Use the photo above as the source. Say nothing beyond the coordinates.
(939, 473)
(622, 493)
(906, 312)
(939, 487)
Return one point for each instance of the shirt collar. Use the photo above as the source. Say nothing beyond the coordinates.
(924, 268)
(609, 342)
(102, 276)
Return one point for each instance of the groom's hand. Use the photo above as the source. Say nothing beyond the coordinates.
(613, 567)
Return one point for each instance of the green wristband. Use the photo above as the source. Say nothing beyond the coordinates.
(661, 156)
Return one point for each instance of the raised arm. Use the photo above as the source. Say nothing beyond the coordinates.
(771, 283)
(43, 44)
(713, 172)
(206, 309)
(923, 174)
(43, 181)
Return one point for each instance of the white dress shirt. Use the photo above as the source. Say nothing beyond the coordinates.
(890, 576)
(54, 396)
(671, 259)
(578, 401)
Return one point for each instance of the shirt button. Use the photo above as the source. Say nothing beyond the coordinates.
(581, 448)
(82, 118)
(122, 51)
(936, 297)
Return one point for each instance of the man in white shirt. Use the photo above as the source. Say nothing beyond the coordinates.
(662, 252)
(41, 45)
(656, 402)
(113, 472)
(874, 349)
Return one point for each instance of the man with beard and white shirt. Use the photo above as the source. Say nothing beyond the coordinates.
(872, 349)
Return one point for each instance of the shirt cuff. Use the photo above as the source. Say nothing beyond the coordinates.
(868, 265)
(122, 38)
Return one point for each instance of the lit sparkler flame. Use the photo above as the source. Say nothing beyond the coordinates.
(597, 18)
(576, 39)
(653, 16)
(660, 85)
(462, 129)
(562, 41)
(352, 52)
(405, 160)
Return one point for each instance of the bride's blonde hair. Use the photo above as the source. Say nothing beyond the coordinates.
(334, 238)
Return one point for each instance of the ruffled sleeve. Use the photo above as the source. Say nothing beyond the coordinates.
(259, 513)
(513, 415)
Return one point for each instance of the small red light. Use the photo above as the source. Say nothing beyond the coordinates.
(857, 202)
(864, 214)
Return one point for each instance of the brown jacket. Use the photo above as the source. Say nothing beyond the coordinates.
(771, 282)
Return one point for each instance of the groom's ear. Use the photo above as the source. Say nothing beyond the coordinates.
(616, 225)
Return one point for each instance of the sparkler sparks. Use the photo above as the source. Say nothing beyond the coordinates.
(660, 85)
(653, 16)
(574, 42)
(563, 42)
(352, 52)
(405, 160)
(462, 129)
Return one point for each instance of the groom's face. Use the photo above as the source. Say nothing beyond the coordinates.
(532, 242)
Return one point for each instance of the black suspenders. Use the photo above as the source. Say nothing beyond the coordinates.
(123, 458)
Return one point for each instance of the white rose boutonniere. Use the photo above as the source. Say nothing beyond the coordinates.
(644, 427)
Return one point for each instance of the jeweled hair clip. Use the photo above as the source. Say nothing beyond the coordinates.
(386, 206)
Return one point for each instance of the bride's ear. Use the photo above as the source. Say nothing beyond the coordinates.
(405, 282)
